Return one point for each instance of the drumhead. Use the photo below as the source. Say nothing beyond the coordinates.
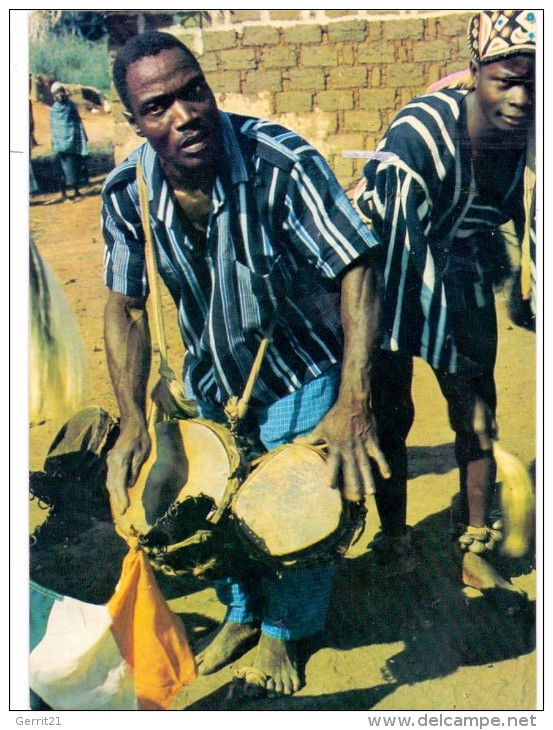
(189, 457)
(285, 506)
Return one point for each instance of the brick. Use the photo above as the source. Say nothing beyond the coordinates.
(285, 15)
(374, 99)
(189, 38)
(402, 53)
(432, 51)
(321, 56)
(209, 62)
(430, 29)
(398, 29)
(237, 59)
(376, 52)
(405, 74)
(244, 16)
(375, 76)
(405, 96)
(293, 101)
(348, 77)
(225, 81)
(218, 40)
(374, 30)
(455, 66)
(257, 81)
(455, 25)
(343, 169)
(350, 30)
(346, 55)
(260, 35)
(307, 79)
(278, 57)
(339, 142)
(303, 34)
(362, 121)
(337, 13)
(335, 100)
(371, 143)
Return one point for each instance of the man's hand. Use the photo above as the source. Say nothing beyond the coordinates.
(350, 436)
(124, 461)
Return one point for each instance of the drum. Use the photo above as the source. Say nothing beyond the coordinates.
(287, 514)
(189, 458)
(183, 490)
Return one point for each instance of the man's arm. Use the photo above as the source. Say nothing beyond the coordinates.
(349, 427)
(128, 349)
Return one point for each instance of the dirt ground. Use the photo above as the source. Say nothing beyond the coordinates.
(421, 643)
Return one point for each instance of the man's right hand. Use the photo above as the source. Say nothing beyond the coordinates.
(124, 462)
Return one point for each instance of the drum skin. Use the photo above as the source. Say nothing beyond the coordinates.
(286, 505)
(189, 458)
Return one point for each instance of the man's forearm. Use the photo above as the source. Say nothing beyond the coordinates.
(360, 313)
(128, 350)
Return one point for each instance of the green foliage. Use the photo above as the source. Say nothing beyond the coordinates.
(72, 60)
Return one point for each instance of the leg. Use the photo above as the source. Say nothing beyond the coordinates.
(394, 412)
(296, 604)
(62, 170)
(471, 398)
(296, 601)
(234, 636)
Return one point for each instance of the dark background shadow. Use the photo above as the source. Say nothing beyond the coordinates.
(441, 628)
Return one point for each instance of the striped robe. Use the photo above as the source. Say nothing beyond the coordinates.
(444, 251)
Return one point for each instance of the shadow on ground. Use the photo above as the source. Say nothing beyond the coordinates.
(441, 628)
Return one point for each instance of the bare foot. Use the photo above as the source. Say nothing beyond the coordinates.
(224, 644)
(274, 672)
(478, 573)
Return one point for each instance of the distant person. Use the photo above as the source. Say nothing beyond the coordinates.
(69, 142)
(33, 185)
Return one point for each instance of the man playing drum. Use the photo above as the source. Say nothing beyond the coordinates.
(455, 173)
(252, 231)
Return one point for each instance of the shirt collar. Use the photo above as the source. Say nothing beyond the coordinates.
(233, 169)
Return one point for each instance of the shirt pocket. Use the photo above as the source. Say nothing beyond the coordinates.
(259, 295)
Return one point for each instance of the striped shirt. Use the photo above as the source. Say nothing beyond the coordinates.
(443, 246)
(281, 232)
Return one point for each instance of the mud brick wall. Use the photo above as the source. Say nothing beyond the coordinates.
(337, 76)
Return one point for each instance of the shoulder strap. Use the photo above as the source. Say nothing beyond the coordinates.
(168, 397)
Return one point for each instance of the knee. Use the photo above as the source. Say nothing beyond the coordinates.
(469, 446)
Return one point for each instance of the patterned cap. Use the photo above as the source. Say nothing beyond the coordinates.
(494, 34)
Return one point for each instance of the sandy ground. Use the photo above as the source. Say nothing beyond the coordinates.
(417, 644)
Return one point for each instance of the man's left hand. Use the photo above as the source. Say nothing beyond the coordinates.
(350, 436)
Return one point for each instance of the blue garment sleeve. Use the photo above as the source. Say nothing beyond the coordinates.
(320, 220)
(124, 261)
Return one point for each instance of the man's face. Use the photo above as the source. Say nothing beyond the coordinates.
(174, 108)
(505, 91)
(60, 96)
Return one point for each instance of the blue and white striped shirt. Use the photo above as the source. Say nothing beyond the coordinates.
(281, 232)
(443, 246)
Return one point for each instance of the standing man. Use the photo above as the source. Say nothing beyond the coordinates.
(69, 141)
(453, 175)
(251, 230)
